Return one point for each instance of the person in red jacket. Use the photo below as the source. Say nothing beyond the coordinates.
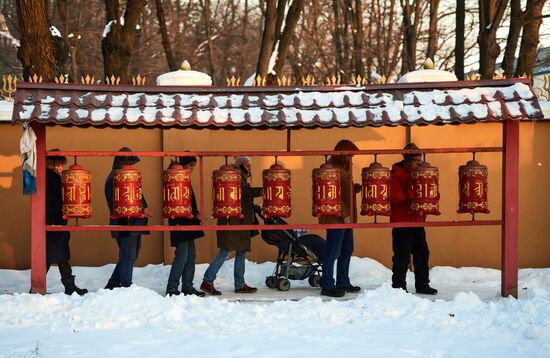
(408, 240)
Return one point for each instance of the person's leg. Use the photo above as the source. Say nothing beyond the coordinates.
(342, 266)
(238, 270)
(65, 270)
(129, 249)
(334, 246)
(421, 255)
(176, 271)
(189, 268)
(67, 279)
(114, 280)
(401, 243)
(215, 265)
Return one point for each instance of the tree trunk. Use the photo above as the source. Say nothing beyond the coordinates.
(530, 38)
(268, 38)
(356, 16)
(409, 34)
(432, 32)
(490, 16)
(37, 51)
(118, 44)
(206, 14)
(516, 23)
(286, 38)
(337, 37)
(459, 39)
(165, 39)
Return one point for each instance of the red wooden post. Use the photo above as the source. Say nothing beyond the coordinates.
(38, 215)
(510, 207)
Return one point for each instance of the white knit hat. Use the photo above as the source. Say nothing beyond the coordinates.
(242, 160)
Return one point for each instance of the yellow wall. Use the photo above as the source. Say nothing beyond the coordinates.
(472, 246)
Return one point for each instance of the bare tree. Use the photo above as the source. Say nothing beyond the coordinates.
(432, 31)
(411, 23)
(37, 51)
(459, 40)
(120, 37)
(165, 39)
(490, 17)
(530, 37)
(517, 16)
(276, 40)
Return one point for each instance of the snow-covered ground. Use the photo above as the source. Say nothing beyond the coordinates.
(467, 319)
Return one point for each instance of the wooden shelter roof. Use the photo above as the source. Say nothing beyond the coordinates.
(276, 107)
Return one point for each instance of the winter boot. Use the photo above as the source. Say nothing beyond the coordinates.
(70, 286)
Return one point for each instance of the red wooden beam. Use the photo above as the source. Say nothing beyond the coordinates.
(38, 215)
(510, 209)
(282, 153)
(273, 227)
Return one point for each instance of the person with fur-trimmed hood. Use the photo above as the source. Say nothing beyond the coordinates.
(407, 241)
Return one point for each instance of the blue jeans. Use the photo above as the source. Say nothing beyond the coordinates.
(183, 267)
(216, 264)
(339, 246)
(128, 250)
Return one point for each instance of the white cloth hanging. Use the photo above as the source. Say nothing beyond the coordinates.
(27, 147)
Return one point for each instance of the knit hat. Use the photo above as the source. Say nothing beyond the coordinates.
(242, 160)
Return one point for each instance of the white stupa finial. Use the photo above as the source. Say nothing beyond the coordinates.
(185, 66)
(428, 64)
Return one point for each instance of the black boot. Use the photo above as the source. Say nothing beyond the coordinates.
(70, 286)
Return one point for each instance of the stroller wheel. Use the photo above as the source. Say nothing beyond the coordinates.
(271, 281)
(314, 280)
(283, 284)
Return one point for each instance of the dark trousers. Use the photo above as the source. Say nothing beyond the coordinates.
(128, 250)
(183, 267)
(64, 269)
(409, 241)
(339, 247)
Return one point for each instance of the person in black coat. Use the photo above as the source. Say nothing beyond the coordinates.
(57, 243)
(183, 267)
(129, 242)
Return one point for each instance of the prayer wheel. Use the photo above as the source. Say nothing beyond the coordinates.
(472, 186)
(76, 191)
(375, 199)
(425, 181)
(326, 191)
(226, 193)
(127, 193)
(176, 192)
(276, 192)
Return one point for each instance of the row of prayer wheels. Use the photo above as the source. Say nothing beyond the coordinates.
(226, 191)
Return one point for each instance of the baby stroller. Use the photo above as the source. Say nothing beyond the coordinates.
(300, 255)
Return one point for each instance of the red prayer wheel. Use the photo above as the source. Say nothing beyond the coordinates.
(326, 191)
(375, 198)
(425, 181)
(127, 193)
(472, 186)
(176, 192)
(226, 193)
(276, 192)
(76, 191)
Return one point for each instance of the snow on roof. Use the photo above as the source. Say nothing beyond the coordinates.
(276, 107)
